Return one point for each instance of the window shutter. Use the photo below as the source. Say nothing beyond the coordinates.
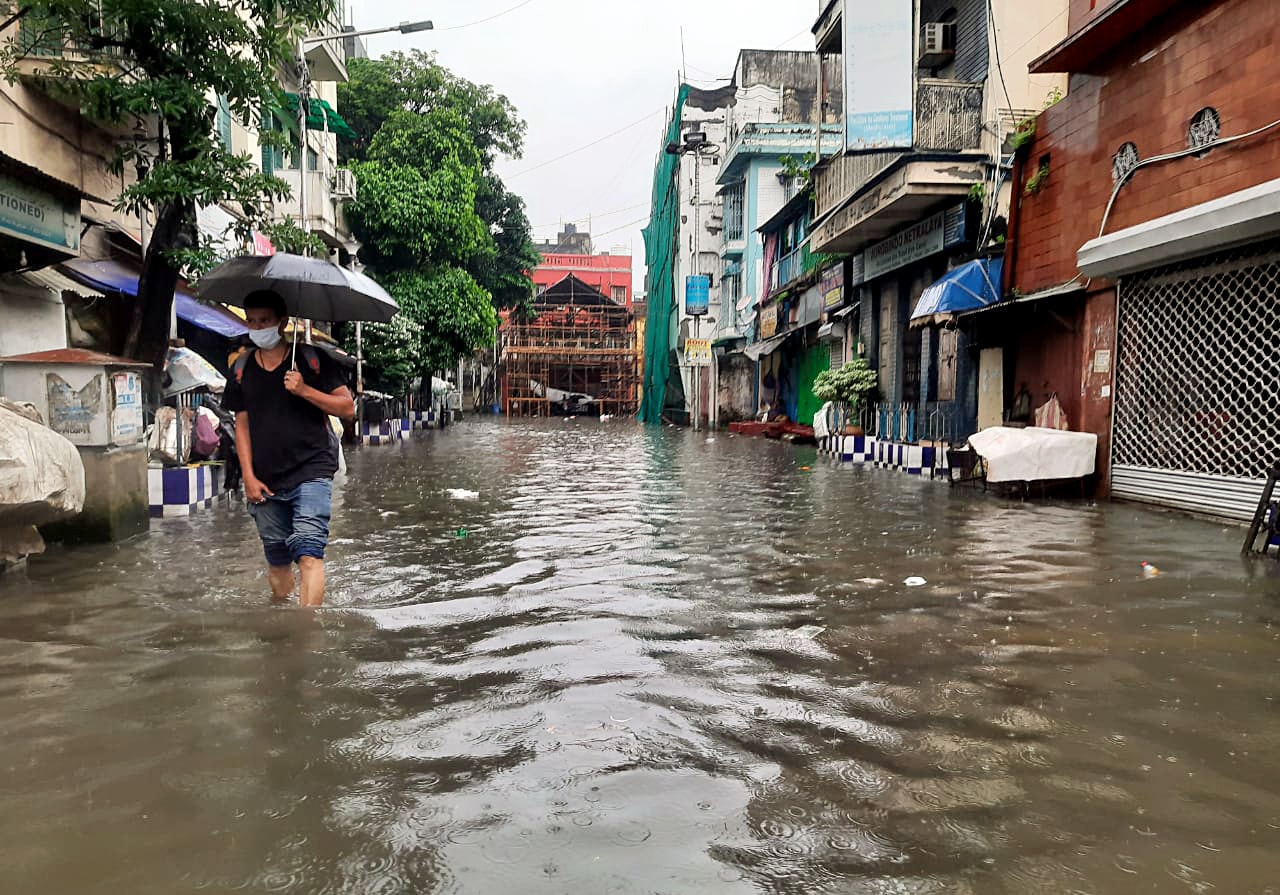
(268, 154)
(837, 354)
(224, 122)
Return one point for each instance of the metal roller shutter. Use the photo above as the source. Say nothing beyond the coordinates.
(1197, 400)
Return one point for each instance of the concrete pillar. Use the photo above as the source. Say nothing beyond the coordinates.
(115, 501)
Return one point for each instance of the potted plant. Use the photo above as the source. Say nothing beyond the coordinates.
(849, 387)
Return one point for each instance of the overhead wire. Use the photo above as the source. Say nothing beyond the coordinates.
(995, 46)
(496, 15)
(586, 146)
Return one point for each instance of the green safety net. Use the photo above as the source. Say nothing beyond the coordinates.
(660, 280)
(815, 360)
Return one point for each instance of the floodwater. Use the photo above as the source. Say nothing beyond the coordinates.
(653, 664)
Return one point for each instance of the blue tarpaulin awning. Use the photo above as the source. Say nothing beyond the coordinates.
(112, 276)
(969, 287)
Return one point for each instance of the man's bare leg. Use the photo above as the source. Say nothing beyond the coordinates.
(312, 570)
(281, 578)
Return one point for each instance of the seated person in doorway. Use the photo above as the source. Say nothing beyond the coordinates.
(288, 453)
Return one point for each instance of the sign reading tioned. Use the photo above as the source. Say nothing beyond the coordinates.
(697, 352)
(38, 217)
(697, 295)
(879, 63)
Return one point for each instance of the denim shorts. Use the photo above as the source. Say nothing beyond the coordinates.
(294, 523)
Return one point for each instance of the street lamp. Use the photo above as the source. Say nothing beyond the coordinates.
(696, 144)
(304, 93)
(304, 107)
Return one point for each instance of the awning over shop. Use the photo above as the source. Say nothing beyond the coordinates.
(45, 280)
(757, 350)
(112, 276)
(1073, 288)
(320, 116)
(968, 287)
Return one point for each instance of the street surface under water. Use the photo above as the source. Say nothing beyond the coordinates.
(615, 683)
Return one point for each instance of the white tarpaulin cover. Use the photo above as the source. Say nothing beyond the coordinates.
(188, 370)
(41, 480)
(1035, 455)
(821, 421)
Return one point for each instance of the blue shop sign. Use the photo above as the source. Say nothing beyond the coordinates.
(34, 216)
(697, 295)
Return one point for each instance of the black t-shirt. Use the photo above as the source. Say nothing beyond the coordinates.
(289, 436)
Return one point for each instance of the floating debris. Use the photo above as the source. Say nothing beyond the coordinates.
(915, 581)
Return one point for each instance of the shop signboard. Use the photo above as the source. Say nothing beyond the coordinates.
(697, 295)
(917, 242)
(769, 321)
(832, 286)
(38, 217)
(879, 74)
(697, 352)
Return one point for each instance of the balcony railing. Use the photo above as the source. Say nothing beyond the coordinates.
(325, 212)
(948, 118)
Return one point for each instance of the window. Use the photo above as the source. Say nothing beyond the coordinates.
(733, 217)
(1123, 162)
(618, 294)
(1205, 128)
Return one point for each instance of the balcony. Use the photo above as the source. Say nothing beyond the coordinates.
(865, 196)
(826, 30)
(47, 50)
(325, 214)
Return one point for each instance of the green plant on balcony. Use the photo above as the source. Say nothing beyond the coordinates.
(1023, 133)
(978, 192)
(800, 170)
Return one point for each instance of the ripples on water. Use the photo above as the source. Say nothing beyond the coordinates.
(613, 684)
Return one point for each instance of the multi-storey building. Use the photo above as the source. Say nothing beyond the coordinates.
(933, 91)
(1142, 249)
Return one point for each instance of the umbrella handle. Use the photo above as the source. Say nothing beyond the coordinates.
(294, 358)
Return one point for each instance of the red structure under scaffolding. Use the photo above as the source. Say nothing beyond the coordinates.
(575, 354)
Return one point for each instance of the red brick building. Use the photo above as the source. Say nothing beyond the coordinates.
(570, 253)
(1142, 253)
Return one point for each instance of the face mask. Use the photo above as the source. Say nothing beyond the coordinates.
(265, 339)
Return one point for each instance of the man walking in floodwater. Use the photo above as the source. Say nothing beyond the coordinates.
(287, 451)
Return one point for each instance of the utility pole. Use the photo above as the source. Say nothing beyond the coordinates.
(697, 264)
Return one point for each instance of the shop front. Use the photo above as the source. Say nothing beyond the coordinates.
(1198, 325)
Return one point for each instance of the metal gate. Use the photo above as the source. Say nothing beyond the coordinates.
(1197, 399)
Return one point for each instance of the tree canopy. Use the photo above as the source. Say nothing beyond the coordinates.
(150, 69)
(439, 228)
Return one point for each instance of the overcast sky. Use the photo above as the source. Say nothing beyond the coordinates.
(593, 78)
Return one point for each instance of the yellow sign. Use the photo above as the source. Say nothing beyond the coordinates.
(768, 321)
(697, 352)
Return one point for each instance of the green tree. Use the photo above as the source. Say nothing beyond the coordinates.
(155, 66)
(409, 109)
(439, 229)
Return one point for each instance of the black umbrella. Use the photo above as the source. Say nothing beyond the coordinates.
(310, 287)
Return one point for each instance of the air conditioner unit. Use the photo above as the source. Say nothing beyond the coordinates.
(344, 184)
(938, 44)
